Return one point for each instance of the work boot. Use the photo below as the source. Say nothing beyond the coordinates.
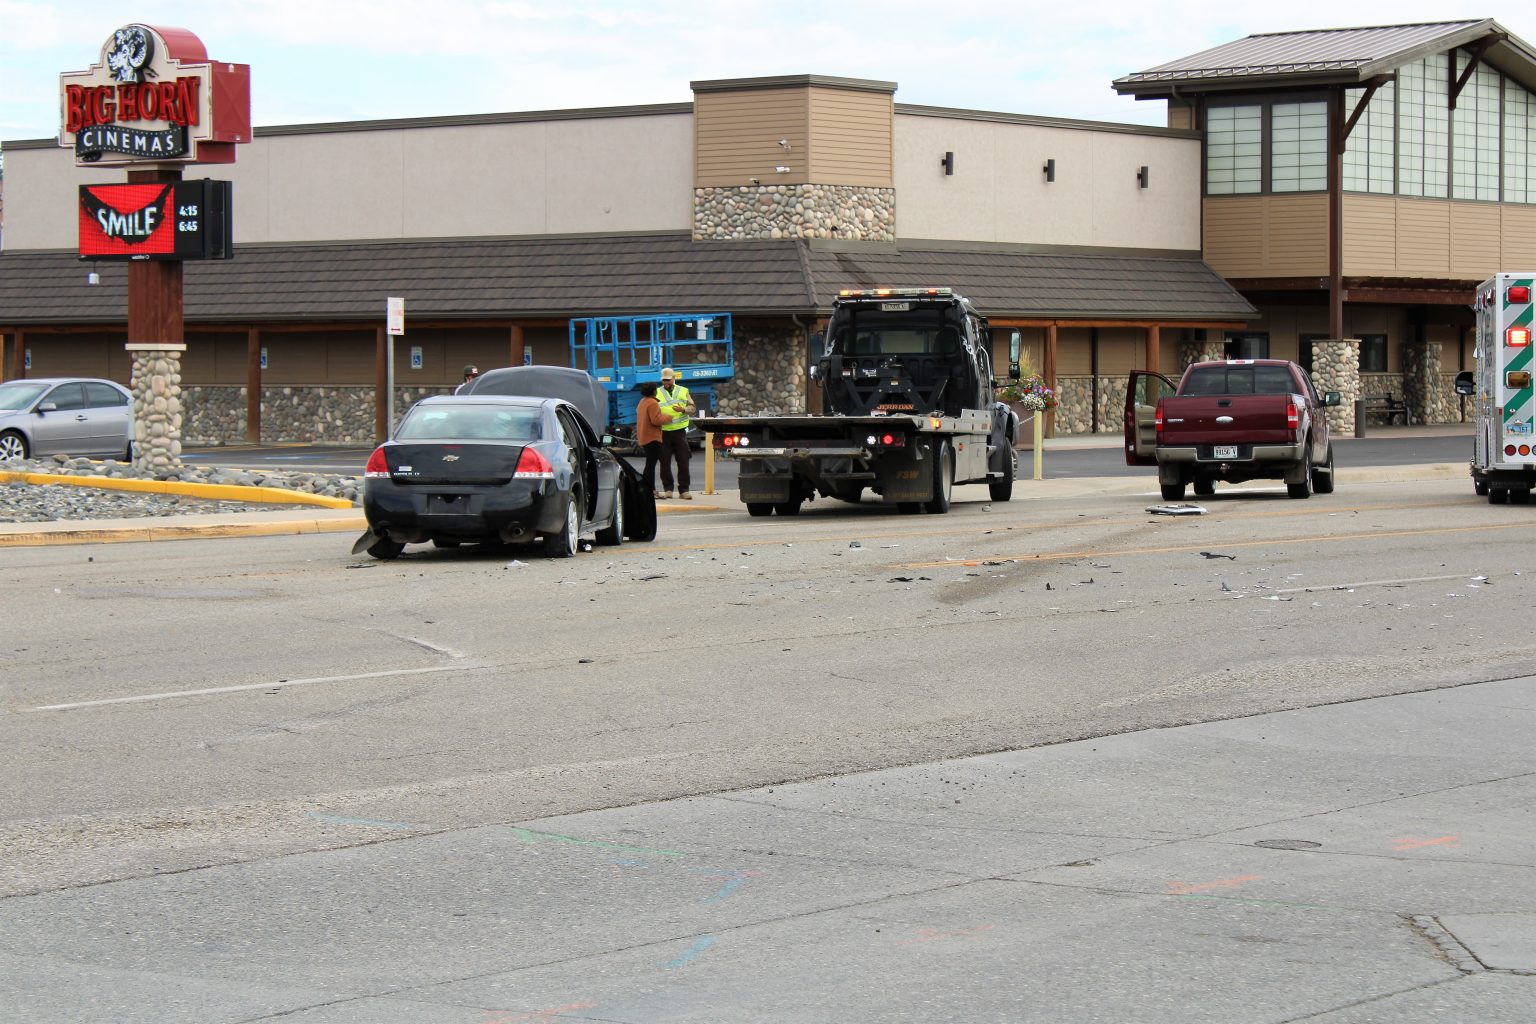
(657, 494)
(666, 494)
(685, 496)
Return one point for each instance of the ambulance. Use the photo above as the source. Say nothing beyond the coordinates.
(1504, 409)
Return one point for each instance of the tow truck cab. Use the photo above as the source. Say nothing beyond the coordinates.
(904, 350)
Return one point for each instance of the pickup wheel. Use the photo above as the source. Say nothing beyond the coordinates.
(1322, 476)
(759, 509)
(943, 479)
(1304, 488)
(1002, 488)
(1173, 492)
(1204, 486)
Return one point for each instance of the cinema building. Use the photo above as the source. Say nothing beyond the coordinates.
(1109, 247)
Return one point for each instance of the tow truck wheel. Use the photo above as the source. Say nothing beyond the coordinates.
(943, 479)
(790, 507)
(1002, 488)
(759, 509)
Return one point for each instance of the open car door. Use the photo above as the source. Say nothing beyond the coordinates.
(1142, 393)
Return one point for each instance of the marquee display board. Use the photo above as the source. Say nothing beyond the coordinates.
(180, 220)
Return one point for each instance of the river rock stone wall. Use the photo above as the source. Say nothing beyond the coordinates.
(1075, 404)
(770, 374)
(315, 415)
(1336, 367)
(157, 410)
(1424, 391)
(794, 211)
(1200, 351)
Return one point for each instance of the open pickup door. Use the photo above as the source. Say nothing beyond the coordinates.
(1142, 394)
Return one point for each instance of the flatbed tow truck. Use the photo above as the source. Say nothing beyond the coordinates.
(908, 412)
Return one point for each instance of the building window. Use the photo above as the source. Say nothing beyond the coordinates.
(1298, 147)
(1423, 128)
(1234, 141)
(1475, 139)
(1370, 160)
(1249, 345)
(1373, 353)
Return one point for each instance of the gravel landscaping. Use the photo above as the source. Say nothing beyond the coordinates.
(41, 503)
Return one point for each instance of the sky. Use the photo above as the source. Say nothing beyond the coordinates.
(350, 60)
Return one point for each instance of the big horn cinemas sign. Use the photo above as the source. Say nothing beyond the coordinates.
(155, 98)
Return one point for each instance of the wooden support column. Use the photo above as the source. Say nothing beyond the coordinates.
(381, 422)
(1048, 370)
(1154, 348)
(515, 342)
(1336, 138)
(14, 355)
(252, 386)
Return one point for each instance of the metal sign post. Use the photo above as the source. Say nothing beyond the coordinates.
(394, 312)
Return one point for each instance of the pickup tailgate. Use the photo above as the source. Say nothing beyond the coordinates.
(1227, 420)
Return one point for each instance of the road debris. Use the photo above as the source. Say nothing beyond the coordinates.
(1176, 510)
(1218, 554)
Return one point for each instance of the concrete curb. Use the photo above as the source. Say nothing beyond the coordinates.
(118, 531)
(215, 492)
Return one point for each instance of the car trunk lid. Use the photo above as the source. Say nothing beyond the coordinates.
(445, 463)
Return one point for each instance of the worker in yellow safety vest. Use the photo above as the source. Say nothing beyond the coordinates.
(675, 399)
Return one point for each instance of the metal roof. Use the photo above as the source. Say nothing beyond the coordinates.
(464, 279)
(1328, 56)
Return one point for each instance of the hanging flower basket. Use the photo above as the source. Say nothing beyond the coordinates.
(1028, 392)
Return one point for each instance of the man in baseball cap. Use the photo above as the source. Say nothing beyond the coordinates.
(470, 373)
(675, 399)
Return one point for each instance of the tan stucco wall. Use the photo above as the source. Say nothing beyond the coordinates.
(585, 175)
(998, 192)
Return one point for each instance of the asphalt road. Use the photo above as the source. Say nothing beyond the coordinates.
(1067, 460)
(204, 741)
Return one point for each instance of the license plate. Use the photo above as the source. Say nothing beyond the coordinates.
(895, 307)
(1225, 451)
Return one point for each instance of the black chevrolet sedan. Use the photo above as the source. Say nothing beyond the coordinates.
(511, 468)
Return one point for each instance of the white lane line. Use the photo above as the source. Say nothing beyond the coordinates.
(278, 685)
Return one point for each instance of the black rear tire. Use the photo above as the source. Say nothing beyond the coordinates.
(564, 542)
(943, 479)
(385, 549)
(1304, 488)
(910, 508)
(613, 535)
(1204, 487)
(1173, 492)
(1498, 496)
(790, 507)
(850, 493)
(1480, 487)
(759, 509)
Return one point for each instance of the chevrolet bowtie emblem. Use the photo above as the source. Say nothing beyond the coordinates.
(450, 458)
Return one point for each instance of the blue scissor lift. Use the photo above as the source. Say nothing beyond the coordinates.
(623, 352)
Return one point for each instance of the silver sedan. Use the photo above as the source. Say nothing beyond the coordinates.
(65, 416)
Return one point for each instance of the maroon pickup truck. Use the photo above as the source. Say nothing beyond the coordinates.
(1235, 420)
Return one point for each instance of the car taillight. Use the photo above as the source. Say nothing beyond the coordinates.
(1510, 449)
(1157, 419)
(1517, 337)
(533, 466)
(1292, 416)
(377, 466)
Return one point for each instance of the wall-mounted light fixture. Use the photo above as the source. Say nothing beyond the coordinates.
(93, 278)
(781, 169)
(1141, 176)
(948, 163)
(1049, 170)
(784, 144)
(755, 181)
